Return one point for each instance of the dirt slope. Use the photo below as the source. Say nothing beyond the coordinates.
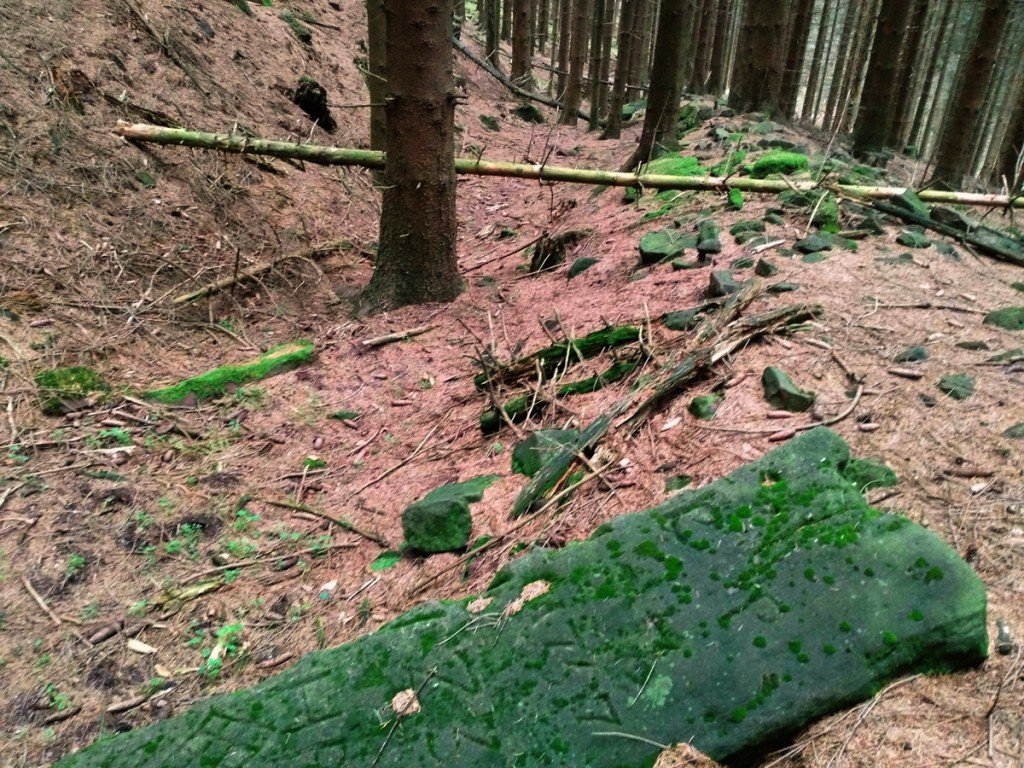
(105, 513)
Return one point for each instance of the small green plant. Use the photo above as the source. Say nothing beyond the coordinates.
(15, 455)
(227, 646)
(187, 543)
(313, 462)
(243, 520)
(138, 608)
(58, 701)
(142, 520)
(240, 548)
(166, 504)
(298, 611)
(91, 611)
(114, 436)
(75, 565)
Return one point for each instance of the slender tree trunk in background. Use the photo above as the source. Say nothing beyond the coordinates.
(1001, 102)
(902, 112)
(506, 20)
(577, 61)
(660, 134)
(647, 60)
(634, 74)
(817, 65)
(953, 159)
(856, 27)
(799, 30)
(542, 24)
(522, 29)
(417, 260)
(533, 27)
(758, 73)
(460, 18)
(605, 70)
(702, 53)
(594, 68)
(492, 22)
(880, 85)
(1010, 166)
(564, 41)
(718, 74)
(939, 44)
(377, 71)
(627, 15)
(849, 104)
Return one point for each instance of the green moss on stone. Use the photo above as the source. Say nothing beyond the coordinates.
(64, 389)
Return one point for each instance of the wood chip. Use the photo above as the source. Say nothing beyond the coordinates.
(905, 373)
(778, 415)
(139, 647)
(781, 435)
(675, 421)
(868, 426)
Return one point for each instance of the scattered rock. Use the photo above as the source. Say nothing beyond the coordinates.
(749, 225)
(705, 406)
(959, 386)
(1010, 318)
(580, 265)
(529, 113)
(530, 454)
(707, 239)
(1016, 432)
(440, 521)
(765, 268)
(911, 355)
(813, 244)
(783, 288)
(722, 283)
(663, 244)
(913, 239)
(682, 320)
(490, 123)
(781, 392)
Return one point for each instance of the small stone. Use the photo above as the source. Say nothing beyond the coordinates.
(913, 240)
(1010, 318)
(913, 354)
(722, 283)
(705, 406)
(781, 392)
(959, 386)
(765, 268)
(813, 244)
(318, 443)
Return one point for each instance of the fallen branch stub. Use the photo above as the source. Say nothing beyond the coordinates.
(320, 155)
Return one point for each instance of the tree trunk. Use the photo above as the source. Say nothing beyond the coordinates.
(605, 70)
(460, 17)
(627, 18)
(564, 40)
(542, 24)
(936, 44)
(637, 51)
(416, 259)
(799, 29)
(953, 160)
(506, 20)
(594, 69)
(377, 71)
(660, 134)
(718, 75)
(702, 51)
(910, 64)
(521, 35)
(857, 28)
(1011, 166)
(492, 24)
(880, 85)
(808, 111)
(758, 74)
(577, 61)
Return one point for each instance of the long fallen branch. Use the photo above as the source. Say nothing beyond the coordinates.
(313, 153)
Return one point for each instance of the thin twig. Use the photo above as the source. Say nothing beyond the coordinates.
(342, 522)
(388, 338)
(798, 428)
(388, 472)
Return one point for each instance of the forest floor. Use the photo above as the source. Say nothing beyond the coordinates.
(139, 543)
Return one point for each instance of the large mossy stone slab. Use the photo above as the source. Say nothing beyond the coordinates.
(727, 617)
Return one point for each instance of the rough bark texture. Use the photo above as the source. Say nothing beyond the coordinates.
(660, 134)
(758, 74)
(416, 260)
(596, 43)
(719, 72)
(953, 158)
(799, 29)
(880, 85)
(641, 28)
(903, 112)
(377, 71)
(521, 29)
(627, 18)
(704, 38)
(577, 61)
(564, 39)
(491, 14)
(607, 34)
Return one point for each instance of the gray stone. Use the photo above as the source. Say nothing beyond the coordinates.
(781, 392)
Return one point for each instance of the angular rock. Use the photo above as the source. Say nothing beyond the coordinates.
(959, 386)
(580, 265)
(722, 283)
(764, 268)
(707, 239)
(913, 239)
(913, 354)
(728, 617)
(705, 406)
(813, 244)
(663, 244)
(440, 521)
(530, 455)
(1010, 318)
(1016, 432)
(781, 392)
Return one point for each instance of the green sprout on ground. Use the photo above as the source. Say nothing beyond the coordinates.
(75, 565)
(243, 520)
(58, 701)
(227, 646)
(15, 456)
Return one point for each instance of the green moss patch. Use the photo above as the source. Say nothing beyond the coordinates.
(62, 390)
(212, 384)
(778, 162)
(778, 579)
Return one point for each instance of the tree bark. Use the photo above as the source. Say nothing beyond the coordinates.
(492, 25)
(953, 158)
(594, 69)
(522, 30)
(903, 109)
(627, 17)
(758, 75)
(880, 85)
(637, 51)
(704, 47)
(660, 134)
(416, 259)
(799, 30)
(564, 40)
(605, 70)
(718, 75)
(377, 71)
(577, 61)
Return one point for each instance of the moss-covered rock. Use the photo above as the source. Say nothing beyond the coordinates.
(727, 617)
(781, 392)
(705, 406)
(281, 358)
(778, 162)
(441, 521)
(959, 386)
(530, 454)
(1010, 318)
(62, 390)
(664, 244)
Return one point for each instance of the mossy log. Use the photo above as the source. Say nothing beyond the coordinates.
(312, 153)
